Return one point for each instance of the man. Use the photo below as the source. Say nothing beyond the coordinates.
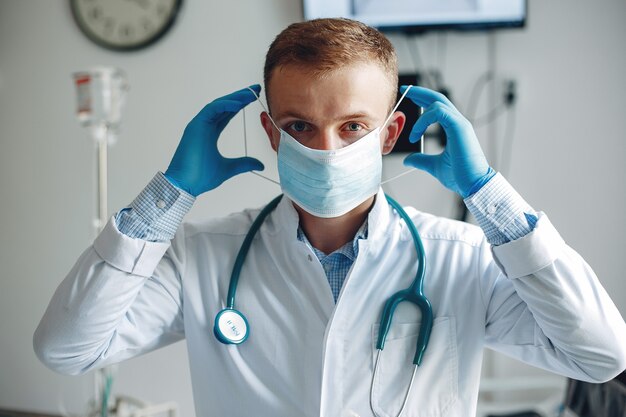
(326, 259)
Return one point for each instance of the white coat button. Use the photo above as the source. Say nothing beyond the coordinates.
(492, 208)
(310, 258)
(160, 204)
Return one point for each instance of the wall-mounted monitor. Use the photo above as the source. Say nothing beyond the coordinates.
(422, 15)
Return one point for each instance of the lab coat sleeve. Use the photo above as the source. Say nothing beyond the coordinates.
(122, 298)
(547, 308)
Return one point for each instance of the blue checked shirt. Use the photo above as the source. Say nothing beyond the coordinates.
(159, 209)
(338, 263)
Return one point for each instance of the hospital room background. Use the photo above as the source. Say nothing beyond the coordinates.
(548, 101)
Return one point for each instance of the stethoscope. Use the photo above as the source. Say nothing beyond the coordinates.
(232, 328)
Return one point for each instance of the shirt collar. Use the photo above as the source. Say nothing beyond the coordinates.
(285, 220)
(350, 250)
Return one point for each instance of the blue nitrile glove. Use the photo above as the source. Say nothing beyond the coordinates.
(462, 166)
(197, 165)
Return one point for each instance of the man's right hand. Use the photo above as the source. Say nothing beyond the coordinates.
(197, 165)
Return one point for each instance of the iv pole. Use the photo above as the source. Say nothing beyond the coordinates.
(102, 142)
(100, 94)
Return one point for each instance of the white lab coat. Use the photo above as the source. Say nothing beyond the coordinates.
(307, 356)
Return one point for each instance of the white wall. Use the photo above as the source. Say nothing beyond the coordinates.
(569, 152)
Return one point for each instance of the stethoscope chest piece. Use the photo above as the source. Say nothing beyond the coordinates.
(231, 327)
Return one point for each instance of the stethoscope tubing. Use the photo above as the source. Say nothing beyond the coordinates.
(418, 283)
(414, 294)
(245, 247)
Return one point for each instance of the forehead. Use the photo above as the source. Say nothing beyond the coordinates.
(357, 88)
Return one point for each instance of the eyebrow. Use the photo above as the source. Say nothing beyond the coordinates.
(351, 116)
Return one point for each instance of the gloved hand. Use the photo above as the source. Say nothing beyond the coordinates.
(197, 165)
(462, 166)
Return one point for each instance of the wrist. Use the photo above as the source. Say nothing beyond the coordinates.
(478, 184)
(157, 212)
(168, 176)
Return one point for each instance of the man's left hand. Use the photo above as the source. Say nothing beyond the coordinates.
(462, 166)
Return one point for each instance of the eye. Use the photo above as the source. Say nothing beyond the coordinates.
(354, 127)
(353, 131)
(298, 126)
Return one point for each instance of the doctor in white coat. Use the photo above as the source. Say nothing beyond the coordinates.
(324, 262)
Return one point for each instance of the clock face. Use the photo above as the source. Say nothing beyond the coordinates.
(124, 24)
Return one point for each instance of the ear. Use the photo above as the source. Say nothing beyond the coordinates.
(272, 133)
(391, 133)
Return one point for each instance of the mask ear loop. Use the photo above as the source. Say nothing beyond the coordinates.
(421, 140)
(396, 107)
(264, 108)
(245, 135)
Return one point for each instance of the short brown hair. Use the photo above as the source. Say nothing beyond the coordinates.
(324, 45)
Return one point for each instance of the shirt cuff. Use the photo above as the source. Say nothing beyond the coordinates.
(501, 212)
(157, 211)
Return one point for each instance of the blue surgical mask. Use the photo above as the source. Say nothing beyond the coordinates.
(330, 183)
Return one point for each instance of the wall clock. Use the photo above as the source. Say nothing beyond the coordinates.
(125, 25)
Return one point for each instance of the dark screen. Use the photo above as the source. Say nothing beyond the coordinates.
(412, 111)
